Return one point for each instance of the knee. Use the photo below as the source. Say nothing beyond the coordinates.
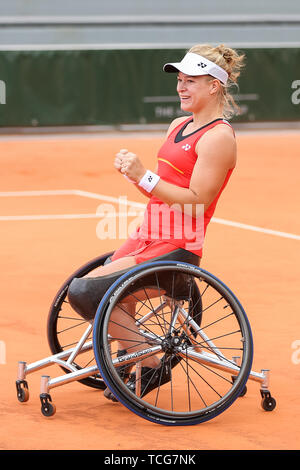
(80, 298)
(85, 293)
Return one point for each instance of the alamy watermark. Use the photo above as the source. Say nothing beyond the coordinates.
(2, 92)
(296, 353)
(158, 222)
(114, 223)
(2, 352)
(295, 97)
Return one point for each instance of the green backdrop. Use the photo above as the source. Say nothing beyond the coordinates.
(115, 87)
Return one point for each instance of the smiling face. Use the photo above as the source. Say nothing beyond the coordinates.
(196, 92)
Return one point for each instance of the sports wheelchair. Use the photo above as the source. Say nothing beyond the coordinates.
(185, 316)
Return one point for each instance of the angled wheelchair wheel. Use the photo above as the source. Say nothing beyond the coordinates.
(194, 382)
(65, 327)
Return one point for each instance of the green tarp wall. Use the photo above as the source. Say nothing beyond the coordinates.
(117, 87)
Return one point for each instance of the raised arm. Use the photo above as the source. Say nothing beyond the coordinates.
(216, 152)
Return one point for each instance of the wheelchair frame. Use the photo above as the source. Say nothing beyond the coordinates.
(65, 359)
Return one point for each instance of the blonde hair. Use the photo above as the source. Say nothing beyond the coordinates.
(232, 62)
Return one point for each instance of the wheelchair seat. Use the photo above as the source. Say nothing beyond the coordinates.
(85, 294)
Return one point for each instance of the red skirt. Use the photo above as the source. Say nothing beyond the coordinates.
(143, 250)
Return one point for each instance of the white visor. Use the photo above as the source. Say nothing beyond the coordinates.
(194, 64)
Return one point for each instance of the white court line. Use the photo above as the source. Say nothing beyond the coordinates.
(54, 192)
(95, 215)
(103, 197)
(255, 229)
(68, 192)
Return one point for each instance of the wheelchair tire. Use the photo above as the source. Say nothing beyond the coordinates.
(200, 387)
(62, 321)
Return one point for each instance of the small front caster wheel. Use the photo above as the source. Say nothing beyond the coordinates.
(268, 403)
(47, 408)
(22, 391)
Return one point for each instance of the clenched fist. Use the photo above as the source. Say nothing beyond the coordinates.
(129, 165)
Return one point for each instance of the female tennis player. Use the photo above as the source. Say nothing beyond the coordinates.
(193, 167)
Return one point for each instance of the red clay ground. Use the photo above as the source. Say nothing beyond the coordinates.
(37, 255)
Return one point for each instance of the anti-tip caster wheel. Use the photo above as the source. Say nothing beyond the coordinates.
(22, 391)
(47, 408)
(268, 403)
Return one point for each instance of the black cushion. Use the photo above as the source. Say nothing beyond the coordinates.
(85, 294)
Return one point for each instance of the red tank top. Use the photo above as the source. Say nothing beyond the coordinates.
(176, 160)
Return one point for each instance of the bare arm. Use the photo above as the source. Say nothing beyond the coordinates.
(216, 155)
(118, 165)
(123, 154)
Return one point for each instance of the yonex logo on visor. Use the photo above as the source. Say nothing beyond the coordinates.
(194, 64)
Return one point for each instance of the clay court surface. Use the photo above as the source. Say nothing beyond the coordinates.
(58, 234)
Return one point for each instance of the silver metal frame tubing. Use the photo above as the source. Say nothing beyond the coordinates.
(215, 359)
(63, 359)
(66, 358)
(218, 360)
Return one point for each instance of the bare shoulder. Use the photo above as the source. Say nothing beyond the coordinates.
(222, 131)
(219, 142)
(176, 123)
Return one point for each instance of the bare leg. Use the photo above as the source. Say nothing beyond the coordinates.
(122, 321)
(122, 325)
(117, 265)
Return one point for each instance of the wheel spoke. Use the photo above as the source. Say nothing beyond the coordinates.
(195, 338)
(66, 327)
